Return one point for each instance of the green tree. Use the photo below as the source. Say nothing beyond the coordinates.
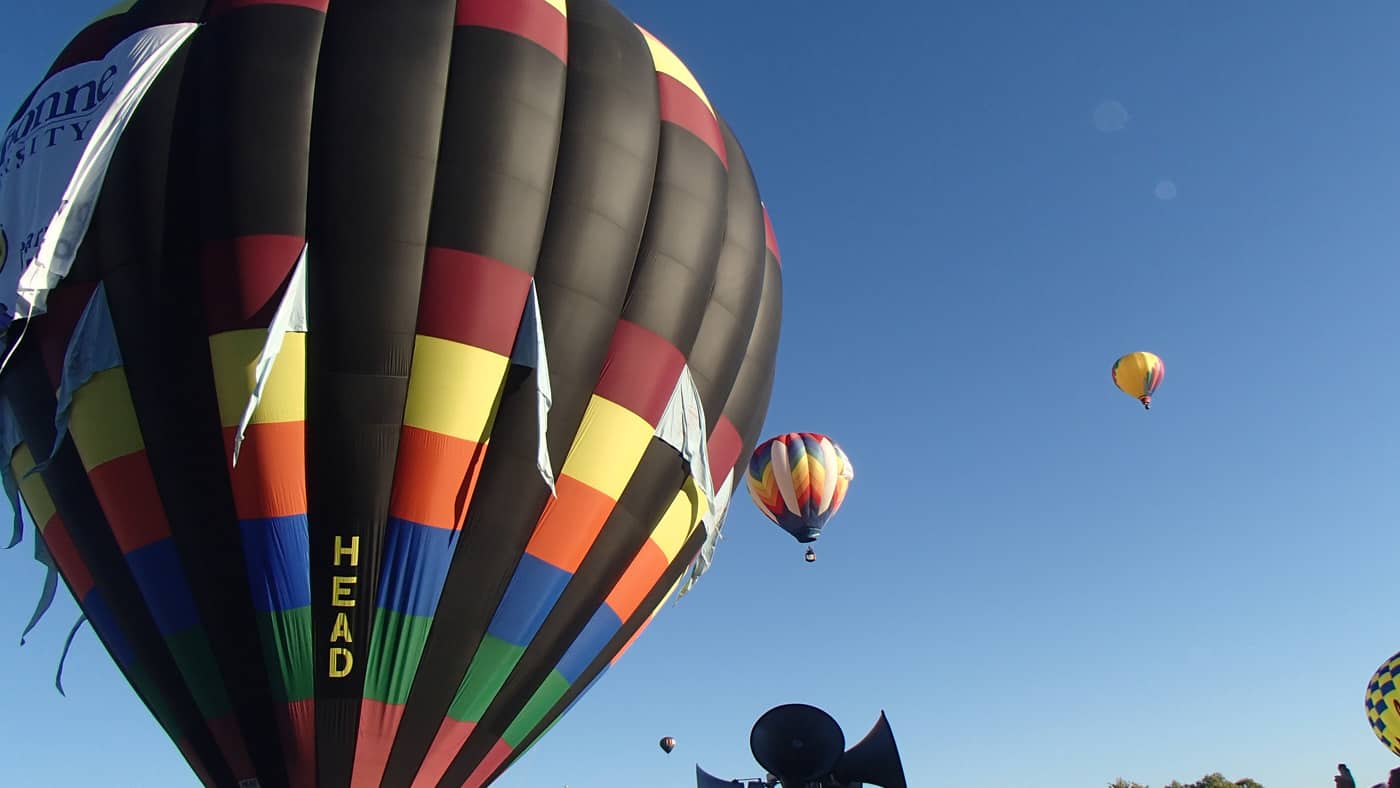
(1216, 780)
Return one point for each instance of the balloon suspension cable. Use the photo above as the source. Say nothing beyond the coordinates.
(5, 363)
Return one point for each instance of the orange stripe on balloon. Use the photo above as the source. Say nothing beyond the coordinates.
(270, 480)
(634, 585)
(569, 524)
(436, 478)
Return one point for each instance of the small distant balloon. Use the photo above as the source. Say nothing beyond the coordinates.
(1383, 704)
(668, 743)
(1138, 375)
(1165, 190)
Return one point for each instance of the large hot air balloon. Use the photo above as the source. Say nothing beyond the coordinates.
(378, 368)
(1138, 375)
(798, 481)
(1383, 703)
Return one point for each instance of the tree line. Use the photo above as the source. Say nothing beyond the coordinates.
(1216, 780)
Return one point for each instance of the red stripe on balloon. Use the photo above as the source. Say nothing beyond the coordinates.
(130, 500)
(497, 756)
(451, 735)
(641, 371)
(472, 299)
(296, 722)
(65, 554)
(533, 20)
(770, 239)
(55, 327)
(680, 106)
(725, 446)
(245, 279)
(379, 723)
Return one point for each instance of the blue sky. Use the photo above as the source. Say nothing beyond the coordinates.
(1039, 582)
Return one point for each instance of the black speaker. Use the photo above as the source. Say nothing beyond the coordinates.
(875, 760)
(797, 743)
(704, 779)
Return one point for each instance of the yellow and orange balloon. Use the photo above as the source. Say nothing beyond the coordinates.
(1138, 375)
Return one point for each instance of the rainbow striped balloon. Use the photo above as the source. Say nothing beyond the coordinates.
(798, 481)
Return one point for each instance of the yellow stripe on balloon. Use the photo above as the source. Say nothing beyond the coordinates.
(32, 490)
(608, 447)
(103, 419)
(680, 520)
(454, 389)
(669, 64)
(235, 354)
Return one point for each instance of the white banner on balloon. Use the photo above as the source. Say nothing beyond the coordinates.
(54, 158)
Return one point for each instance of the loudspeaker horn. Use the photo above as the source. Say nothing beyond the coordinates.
(875, 760)
(704, 779)
(797, 743)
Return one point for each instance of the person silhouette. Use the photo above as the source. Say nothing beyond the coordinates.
(1344, 778)
(1394, 781)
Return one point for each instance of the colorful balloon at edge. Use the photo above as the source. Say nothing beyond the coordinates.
(1138, 375)
(407, 352)
(799, 481)
(668, 743)
(1383, 704)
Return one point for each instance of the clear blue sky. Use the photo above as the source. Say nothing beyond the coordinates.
(1040, 583)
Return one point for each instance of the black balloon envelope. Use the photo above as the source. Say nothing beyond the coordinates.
(384, 368)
